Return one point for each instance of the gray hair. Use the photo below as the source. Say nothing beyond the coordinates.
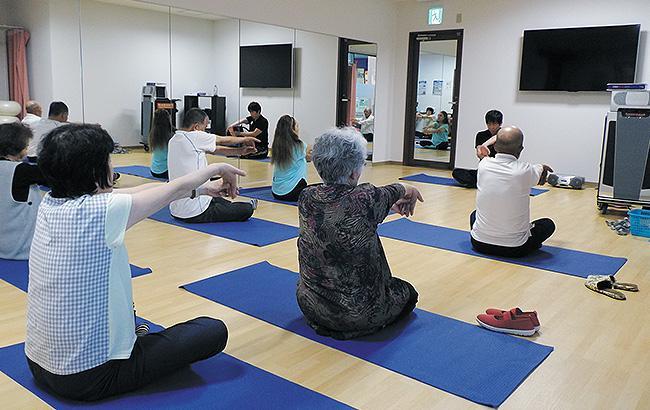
(337, 153)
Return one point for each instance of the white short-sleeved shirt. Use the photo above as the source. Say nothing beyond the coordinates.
(40, 129)
(79, 299)
(503, 200)
(186, 154)
(368, 125)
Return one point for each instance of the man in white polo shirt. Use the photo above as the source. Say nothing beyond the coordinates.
(501, 222)
(187, 151)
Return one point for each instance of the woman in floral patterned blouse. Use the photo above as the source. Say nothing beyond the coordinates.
(346, 289)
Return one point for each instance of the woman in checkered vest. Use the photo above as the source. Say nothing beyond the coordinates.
(81, 341)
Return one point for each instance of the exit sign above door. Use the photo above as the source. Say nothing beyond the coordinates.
(435, 15)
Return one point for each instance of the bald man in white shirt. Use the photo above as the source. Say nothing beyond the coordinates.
(501, 222)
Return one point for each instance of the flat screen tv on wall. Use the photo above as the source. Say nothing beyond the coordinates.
(266, 66)
(578, 59)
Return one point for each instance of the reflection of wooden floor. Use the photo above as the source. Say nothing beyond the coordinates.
(431, 154)
(601, 357)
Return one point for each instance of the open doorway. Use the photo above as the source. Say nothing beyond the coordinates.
(432, 98)
(356, 87)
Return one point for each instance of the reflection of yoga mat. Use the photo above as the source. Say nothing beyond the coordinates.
(432, 179)
(219, 382)
(138, 171)
(454, 356)
(263, 193)
(17, 272)
(253, 232)
(567, 261)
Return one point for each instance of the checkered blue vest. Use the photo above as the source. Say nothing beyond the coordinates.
(67, 301)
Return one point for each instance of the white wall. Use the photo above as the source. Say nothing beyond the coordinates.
(226, 65)
(123, 48)
(562, 129)
(192, 57)
(315, 85)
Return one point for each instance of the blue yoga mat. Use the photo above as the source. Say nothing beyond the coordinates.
(219, 382)
(560, 260)
(138, 171)
(17, 272)
(432, 179)
(457, 357)
(255, 231)
(263, 193)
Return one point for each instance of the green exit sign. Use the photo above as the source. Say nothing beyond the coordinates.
(435, 15)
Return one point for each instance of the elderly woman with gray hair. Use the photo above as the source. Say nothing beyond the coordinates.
(346, 289)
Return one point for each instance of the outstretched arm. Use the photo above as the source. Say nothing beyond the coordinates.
(405, 206)
(150, 200)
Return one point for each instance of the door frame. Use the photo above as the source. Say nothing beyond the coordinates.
(411, 95)
(342, 97)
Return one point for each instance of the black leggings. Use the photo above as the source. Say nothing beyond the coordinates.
(162, 175)
(294, 194)
(542, 230)
(153, 356)
(465, 177)
(443, 145)
(223, 210)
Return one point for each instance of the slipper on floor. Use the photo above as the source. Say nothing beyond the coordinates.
(629, 287)
(604, 286)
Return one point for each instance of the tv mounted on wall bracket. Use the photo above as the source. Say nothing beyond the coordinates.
(578, 59)
(266, 66)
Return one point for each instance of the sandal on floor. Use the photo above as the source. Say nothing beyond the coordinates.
(628, 287)
(603, 286)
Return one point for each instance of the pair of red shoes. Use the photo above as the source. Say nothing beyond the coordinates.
(513, 321)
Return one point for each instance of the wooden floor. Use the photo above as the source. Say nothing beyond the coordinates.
(602, 346)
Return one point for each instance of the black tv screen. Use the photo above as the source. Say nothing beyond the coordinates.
(578, 59)
(268, 66)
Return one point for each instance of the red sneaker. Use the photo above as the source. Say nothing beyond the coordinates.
(516, 312)
(507, 323)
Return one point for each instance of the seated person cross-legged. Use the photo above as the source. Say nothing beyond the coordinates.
(187, 154)
(19, 193)
(424, 122)
(258, 128)
(439, 133)
(501, 222)
(290, 157)
(484, 144)
(346, 289)
(81, 340)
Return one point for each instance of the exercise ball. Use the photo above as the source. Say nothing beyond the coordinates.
(7, 120)
(9, 108)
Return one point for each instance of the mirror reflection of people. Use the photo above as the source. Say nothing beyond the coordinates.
(56, 117)
(81, 340)
(20, 196)
(34, 113)
(346, 289)
(439, 133)
(161, 132)
(290, 157)
(501, 222)
(187, 154)
(258, 127)
(424, 121)
(484, 144)
(367, 125)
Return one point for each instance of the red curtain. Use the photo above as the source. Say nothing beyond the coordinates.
(17, 61)
(352, 94)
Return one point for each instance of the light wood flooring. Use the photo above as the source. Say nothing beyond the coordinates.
(602, 346)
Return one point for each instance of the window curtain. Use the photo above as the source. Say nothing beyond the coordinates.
(17, 63)
(352, 94)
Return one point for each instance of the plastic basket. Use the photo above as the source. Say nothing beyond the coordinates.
(640, 222)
